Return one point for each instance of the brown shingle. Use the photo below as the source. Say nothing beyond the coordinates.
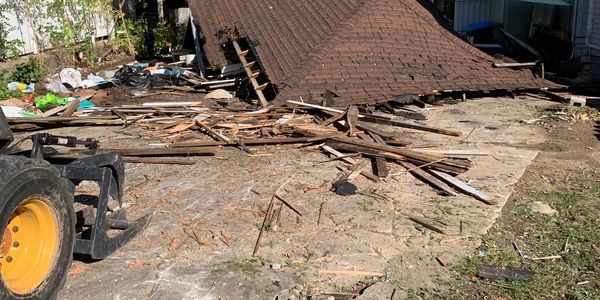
(360, 49)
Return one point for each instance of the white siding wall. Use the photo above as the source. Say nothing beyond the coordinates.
(22, 29)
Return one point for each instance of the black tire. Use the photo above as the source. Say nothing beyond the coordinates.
(22, 179)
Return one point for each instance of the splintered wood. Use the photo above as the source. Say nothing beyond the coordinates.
(195, 128)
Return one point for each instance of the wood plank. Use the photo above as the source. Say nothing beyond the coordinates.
(67, 121)
(428, 178)
(350, 273)
(393, 136)
(458, 152)
(514, 65)
(521, 43)
(416, 155)
(463, 187)
(352, 119)
(181, 127)
(53, 111)
(427, 225)
(333, 119)
(213, 133)
(380, 166)
(350, 161)
(412, 126)
(393, 156)
(505, 273)
(261, 141)
(188, 151)
(245, 126)
(404, 152)
(383, 121)
(170, 104)
(157, 160)
(338, 154)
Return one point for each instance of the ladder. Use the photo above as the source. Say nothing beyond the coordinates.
(251, 75)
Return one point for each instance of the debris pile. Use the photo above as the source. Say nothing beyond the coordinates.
(362, 51)
(345, 135)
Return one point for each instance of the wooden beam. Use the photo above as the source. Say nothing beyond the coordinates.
(428, 178)
(396, 157)
(71, 108)
(350, 273)
(463, 187)
(403, 152)
(352, 119)
(383, 121)
(333, 119)
(514, 65)
(189, 151)
(157, 160)
(388, 122)
(380, 166)
(427, 225)
(214, 134)
(261, 141)
(391, 136)
(504, 273)
(53, 111)
(350, 161)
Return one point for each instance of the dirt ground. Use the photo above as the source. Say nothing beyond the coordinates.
(206, 217)
(552, 212)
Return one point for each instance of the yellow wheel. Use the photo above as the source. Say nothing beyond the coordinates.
(29, 245)
(37, 224)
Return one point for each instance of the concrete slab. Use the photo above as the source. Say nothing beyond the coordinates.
(214, 200)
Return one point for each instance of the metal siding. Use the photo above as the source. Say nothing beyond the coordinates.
(518, 18)
(595, 65)
(467, 12)
(593, 38)
(580, 48)
(593, 34)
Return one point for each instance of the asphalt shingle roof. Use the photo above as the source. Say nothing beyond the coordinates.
(363, 50)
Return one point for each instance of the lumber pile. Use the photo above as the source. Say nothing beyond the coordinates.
(353, 136)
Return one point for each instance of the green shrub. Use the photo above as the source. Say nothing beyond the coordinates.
(4, 92)
(28, 72)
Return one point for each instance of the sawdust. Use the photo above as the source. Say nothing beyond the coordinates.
(76, 268)
(174, 244)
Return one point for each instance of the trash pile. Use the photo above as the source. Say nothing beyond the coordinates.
(70, 86)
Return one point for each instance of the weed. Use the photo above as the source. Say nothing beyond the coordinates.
(28, 72)
(5, 93)
(250, 266)
(573, 234)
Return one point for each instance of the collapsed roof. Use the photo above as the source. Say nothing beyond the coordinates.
(365, 51)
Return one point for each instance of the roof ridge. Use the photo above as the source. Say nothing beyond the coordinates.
(313, 57)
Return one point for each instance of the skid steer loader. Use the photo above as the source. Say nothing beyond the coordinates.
(40, 223)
